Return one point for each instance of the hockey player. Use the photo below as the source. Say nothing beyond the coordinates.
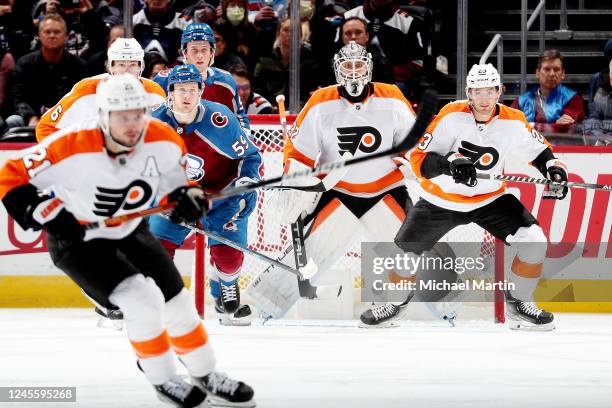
(132, 161)
(358, 117)
(198, 47)
(479, 134)
(125, 55)
(219, 155)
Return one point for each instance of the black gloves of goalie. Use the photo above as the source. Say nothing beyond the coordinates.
(52, 216)
(461, 169)
(557, 171)
(191, 204)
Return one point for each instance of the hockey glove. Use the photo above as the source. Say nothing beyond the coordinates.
(52, 215)
(191, 204)
(557, 171)
(461, 169)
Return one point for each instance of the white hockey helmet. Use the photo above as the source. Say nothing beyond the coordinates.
(125, 49)
(119, 93)
(482, 76)
(353, 68)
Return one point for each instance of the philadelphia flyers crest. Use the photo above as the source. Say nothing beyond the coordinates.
(364, 138)
(110, 200)
(484, 158)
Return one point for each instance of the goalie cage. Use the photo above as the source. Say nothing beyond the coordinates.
(268, 236)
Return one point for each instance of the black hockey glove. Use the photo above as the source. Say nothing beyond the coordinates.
(557, 171)
(461, 169)
(191, 204)
(52, 215)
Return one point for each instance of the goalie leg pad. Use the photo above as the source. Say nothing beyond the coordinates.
(142, 303)
(383, 220)
(329, 236)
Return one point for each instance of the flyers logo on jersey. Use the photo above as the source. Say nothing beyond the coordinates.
(218, 120)
(364, 138)
(110, 200)
(484, 158)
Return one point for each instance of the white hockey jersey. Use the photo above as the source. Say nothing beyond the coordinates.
(505, 134)
(329, 125)
(74, 165)
(80, 104)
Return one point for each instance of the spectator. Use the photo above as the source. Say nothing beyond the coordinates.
(598, 126)
(328, 16)
(158, 27)
(7, 65)
(200, 12)
(253, 103)
(96, 64)
(607, 51)
(355, 29)
(399, 36)
(42, 77)
(241, 36)
(154, 64)
(271, 77)
(86, 32)
(223, 58)
(18, 27)
(553, 107)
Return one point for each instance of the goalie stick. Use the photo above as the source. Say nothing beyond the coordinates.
(426, 110)
(532, 180)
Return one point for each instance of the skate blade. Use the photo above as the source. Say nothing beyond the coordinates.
(526, 326)
(384, 325)
(106, 323)
(231, 321)
(163, 398)
(218, 402)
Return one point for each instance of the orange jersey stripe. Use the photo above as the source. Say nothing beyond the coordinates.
(329, 93)
(373, 186)
(526, 270)
(152, 348)
(433, 188)
(87, 86)
(190, 341)
(292, 153)
(394, 207)
(383, 90)
(325, 213)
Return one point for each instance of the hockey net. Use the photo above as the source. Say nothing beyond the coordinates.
(268, 236)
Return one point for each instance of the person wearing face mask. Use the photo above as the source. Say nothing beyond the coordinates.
(240, 36)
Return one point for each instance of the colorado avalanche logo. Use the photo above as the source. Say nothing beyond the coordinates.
(218, 120)
(195, 167)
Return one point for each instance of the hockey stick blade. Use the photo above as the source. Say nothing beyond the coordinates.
(428, 105)
(532, 180)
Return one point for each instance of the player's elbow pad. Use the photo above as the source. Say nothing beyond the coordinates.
(434, 165)
(19, 202)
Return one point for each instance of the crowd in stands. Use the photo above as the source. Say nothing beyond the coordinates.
(48, 45)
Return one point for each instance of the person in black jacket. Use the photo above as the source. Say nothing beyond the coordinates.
(42, 77)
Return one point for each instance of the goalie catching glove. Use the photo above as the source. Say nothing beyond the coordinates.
(191, 204)
(51, 215)
(557, 171)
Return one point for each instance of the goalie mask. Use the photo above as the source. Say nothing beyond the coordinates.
(120, 93)
(353, 68)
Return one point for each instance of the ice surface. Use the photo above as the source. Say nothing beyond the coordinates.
(328, 364)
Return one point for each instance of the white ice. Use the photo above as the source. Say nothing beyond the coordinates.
(315, 364)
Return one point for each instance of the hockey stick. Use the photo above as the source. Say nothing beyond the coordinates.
(114, 221)
(428, 105)
(280, 100)
(532, 180)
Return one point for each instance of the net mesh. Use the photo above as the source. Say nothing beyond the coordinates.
(268, 236)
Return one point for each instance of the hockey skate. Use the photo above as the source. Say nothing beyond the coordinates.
(180, 393)
(241, 317)
(112, 316)
(384, 316)
(527, 316)
(225, 392)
